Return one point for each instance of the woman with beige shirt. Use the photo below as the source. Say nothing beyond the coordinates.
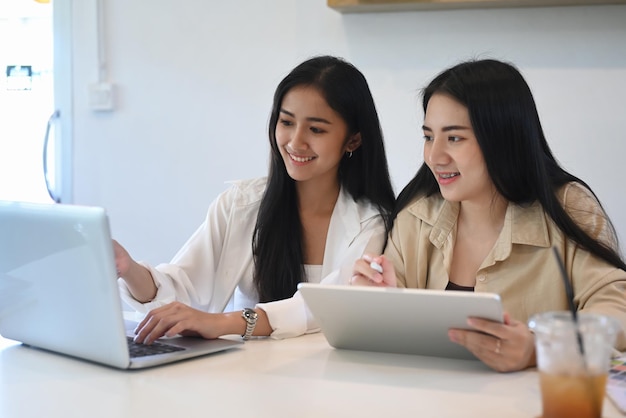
(485, 209)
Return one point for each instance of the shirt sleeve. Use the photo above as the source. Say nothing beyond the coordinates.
(599, 287)
(189, 277)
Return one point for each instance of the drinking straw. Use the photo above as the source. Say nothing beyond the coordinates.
(597, 406)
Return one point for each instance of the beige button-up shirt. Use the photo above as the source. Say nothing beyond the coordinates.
(521, 266)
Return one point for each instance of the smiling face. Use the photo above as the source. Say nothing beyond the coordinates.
(312, 138)
(452, 153)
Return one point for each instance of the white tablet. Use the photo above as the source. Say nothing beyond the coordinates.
(405, 321)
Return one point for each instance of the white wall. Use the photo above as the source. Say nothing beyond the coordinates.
(195, 80)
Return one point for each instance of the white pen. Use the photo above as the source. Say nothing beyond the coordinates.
(376, 267)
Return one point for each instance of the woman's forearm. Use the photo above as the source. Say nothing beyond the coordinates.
(140, 283)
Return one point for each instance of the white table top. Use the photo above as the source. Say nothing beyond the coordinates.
(298, 377)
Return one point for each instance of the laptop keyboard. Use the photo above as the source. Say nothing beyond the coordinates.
(142, 350)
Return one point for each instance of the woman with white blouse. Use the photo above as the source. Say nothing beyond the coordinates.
(324, 202)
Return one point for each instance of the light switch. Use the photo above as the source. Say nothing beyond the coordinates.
(101, 96)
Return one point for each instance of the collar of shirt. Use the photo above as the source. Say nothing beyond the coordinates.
(526, 225)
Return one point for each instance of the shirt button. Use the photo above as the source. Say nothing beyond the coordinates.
(481, 278)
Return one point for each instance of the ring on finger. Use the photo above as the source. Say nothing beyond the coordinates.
(498, 346)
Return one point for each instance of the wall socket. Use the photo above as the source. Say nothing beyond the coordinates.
(101, 96)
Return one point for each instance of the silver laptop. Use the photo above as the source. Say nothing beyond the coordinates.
(404, 321)
(59, 292)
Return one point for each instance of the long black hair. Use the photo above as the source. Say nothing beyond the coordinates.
(507, 127)
(277, 240)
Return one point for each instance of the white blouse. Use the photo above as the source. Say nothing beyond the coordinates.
(313, 273)
(213, 270)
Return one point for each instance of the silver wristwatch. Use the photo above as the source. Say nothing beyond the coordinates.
(250, 316)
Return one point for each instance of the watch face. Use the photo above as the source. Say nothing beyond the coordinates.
(249, 314)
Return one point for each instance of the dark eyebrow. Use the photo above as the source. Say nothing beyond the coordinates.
(311, 118)
(449, 128)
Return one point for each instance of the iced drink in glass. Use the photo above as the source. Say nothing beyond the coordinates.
(573, 362)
